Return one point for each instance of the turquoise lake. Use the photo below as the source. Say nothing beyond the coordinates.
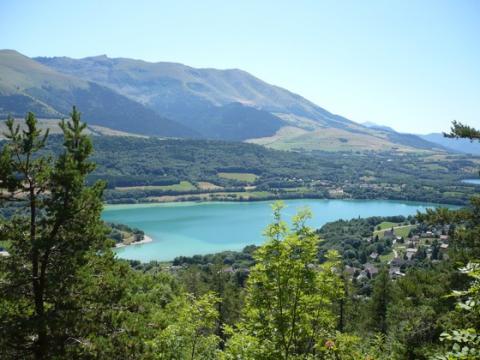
(472, 181)
(202, 228)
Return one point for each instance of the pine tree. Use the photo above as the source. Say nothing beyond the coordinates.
(49, 240)
(381, 298)
(461, 131)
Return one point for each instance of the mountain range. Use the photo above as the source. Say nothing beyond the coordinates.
(175, 100)
(27, 85)
(458, 145)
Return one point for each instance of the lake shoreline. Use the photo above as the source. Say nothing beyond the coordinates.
(146, 239)
(222, 201)
(188, 229)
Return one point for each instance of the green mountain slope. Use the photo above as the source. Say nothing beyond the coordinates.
(197, 98)
(140, 97)
(52, 125)
(234, 122)
(26, 85)
(167, 86)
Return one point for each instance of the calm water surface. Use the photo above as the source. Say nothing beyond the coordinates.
(209, 227)
(472, 181)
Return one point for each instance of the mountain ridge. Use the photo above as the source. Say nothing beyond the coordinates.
(25, 82)
(172, 99)
(458, 145)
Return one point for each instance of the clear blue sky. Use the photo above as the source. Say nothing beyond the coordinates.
(413, 65)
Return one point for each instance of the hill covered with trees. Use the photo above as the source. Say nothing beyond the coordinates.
(64, 294)
(150, 169)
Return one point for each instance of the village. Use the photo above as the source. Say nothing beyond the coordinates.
(410, 245)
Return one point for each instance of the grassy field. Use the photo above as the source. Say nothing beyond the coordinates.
(243, 177)
(301, 189)
(329, 139)
(386, 225)
(217, 196)
(205, 185)
(399, 230)
(404, 231)
(435, 167)
(452, 194)
(182, 186)
(388, 257)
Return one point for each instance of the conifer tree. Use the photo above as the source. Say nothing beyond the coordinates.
(49, 240)
(381, 298)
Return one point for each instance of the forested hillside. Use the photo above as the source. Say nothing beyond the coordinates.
(131, 165)
(149, 169)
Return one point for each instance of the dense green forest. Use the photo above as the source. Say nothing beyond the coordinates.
(130, 162)
(150, 169)
(65, 296)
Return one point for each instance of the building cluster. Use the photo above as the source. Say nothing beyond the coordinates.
(432, 244)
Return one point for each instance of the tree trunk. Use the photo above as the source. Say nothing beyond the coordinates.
(40, 347)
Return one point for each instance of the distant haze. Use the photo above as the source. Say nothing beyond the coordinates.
(409, 65)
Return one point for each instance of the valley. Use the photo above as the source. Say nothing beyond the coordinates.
(139, 169)
(239, 180)
(189, 229)
(144, 170)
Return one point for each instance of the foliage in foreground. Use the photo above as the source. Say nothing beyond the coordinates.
(465, 342)
(52, 240)
(289, 305)
(64, 295)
